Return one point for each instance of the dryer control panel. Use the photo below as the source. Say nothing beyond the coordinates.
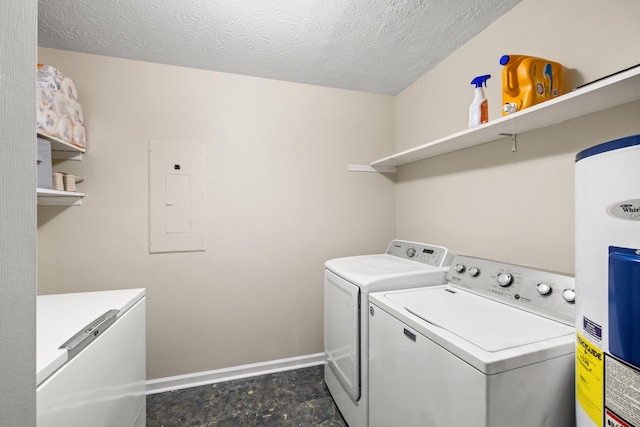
(548, 294)
(436, 256)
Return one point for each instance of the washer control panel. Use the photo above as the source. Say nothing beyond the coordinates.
(436, 256)
(542, 292)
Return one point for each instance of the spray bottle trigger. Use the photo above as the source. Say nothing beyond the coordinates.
(481, 80)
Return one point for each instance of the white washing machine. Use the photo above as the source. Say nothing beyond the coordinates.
(347, 284)
(494, 347)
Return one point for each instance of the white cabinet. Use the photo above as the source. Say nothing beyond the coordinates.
(91, 359)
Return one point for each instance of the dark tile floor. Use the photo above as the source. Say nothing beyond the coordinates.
(292, 398)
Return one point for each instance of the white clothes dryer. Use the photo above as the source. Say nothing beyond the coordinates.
(347, 284)
(494, 347)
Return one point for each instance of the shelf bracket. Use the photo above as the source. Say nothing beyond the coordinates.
(368, 168)
(514, 141)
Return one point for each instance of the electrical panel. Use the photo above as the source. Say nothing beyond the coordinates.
(176, 197)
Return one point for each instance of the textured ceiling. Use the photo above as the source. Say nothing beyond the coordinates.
(379, 46)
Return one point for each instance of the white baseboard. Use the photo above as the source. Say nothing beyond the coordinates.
(161, 385)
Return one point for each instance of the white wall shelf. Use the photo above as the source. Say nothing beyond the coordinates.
(600, 95)
(59, 198)
(62, 150)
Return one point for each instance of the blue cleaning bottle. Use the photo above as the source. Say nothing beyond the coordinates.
(479, 109)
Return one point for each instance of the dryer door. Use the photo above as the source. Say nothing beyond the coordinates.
(342, 331)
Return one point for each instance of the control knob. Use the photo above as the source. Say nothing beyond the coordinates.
(411, 252)
(460, 268)
(543, 288)
(569, 295)
(505, 279)
(474, 271)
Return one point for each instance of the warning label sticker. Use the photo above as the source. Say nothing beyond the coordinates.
(612, 421)
(592, 329)
(622, 393)
(589, 378)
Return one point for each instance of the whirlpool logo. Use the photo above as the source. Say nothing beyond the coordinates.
(627, 209)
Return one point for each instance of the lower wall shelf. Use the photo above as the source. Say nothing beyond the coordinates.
(368, 168)
(59, 198)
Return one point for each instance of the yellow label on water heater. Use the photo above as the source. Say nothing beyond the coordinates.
(589, 378)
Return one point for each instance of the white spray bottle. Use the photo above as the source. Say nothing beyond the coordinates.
(479, 109)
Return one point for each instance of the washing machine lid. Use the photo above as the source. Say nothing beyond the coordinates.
(488, 324)
(385, 272)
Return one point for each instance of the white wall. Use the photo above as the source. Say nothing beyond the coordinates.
(279, 202)
(486, 201)
(17, 213)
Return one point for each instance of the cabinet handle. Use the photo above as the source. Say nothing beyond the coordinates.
(89, 333)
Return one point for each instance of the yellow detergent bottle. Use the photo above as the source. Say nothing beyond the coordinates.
(527, 81)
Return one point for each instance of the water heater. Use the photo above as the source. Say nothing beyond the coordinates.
(607, 180)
